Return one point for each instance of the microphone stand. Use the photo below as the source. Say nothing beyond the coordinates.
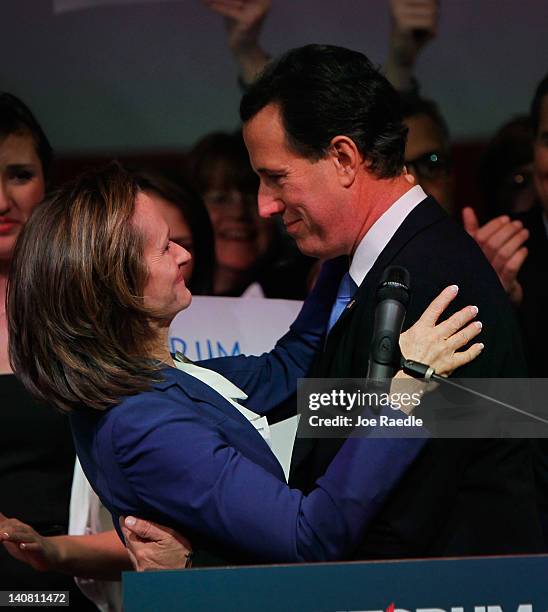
(425, 372)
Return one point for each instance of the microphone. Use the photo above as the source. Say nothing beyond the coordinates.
(392, 299)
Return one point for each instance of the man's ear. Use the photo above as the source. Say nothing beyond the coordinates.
(346, 157)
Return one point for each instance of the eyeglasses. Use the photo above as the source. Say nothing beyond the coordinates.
(430, 165)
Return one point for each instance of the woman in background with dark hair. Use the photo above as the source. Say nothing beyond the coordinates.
(506, 170)
(253, 256)
(37, 452)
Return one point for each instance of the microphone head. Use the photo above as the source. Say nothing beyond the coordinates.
(394, 285)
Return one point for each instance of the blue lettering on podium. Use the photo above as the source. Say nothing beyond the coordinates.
(204, 349)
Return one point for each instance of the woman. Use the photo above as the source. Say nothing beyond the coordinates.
(37, 456)
(168, 440)
(253, 256)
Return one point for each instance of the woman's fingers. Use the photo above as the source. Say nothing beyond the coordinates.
(31, 546)
(436, 344)
(438, 305)
(14, 535)
(464, 336)
(14, 531)
(464, 357)
(455, 322)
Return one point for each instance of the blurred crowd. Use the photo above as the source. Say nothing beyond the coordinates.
(210, 205)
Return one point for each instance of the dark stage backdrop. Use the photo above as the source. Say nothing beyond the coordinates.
(154, 77)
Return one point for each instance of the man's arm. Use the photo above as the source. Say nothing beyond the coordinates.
(414, 23)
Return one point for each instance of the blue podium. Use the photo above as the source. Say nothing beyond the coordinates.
(487, 584)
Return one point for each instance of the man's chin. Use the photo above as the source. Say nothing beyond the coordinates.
(318, 251)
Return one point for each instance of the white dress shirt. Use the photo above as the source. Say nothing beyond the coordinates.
(381, 232)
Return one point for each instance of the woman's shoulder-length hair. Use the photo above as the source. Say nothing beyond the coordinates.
(78, 329)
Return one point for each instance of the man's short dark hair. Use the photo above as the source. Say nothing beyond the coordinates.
(325, 91)
(541, 91)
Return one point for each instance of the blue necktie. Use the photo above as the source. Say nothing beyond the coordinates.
(346, 292)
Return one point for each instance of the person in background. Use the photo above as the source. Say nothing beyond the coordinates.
(428, 159)
(243, 23)
(535, 295)
(531, 313)
(36, 448)
(189, 224)
(428, 149)
(506, 170)
(413, 24)
(252, 255)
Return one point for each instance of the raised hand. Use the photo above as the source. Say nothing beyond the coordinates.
(501, 241)
(244, 20)
(414, 24)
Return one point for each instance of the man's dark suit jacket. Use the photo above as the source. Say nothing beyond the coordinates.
(460, 496)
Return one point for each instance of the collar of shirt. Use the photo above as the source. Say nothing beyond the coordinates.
(381, 232)
(216, 381)
(229, 391)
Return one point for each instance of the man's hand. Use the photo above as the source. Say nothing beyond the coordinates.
(26, 545)
(414, 24)
(501, 241)
(154, 547)
(244, 20)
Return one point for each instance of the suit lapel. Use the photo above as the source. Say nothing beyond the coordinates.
(341, 341)
(422, 216)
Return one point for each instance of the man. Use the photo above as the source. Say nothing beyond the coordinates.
(427, 158)
(531, 314)
(535, 293)
(325, 135)
(427, 150)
